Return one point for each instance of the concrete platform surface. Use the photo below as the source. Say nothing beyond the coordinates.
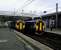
(56, 31)
(8, 41)
(33, 42)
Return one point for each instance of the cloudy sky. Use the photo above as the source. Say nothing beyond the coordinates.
(36, 6)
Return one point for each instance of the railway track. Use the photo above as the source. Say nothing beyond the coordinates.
(50, 39)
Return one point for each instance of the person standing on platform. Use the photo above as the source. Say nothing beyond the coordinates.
(52, 24)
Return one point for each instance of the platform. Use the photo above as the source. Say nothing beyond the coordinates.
(8, 41)
(55, 31)
(32, 42)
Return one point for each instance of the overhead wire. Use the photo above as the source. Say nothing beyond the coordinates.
(30, 1)
(26, 4)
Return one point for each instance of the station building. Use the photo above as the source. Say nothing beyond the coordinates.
(47, 18)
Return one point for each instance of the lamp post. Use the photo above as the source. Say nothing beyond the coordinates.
(56, 15)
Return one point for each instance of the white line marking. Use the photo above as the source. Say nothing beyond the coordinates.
(3, 41)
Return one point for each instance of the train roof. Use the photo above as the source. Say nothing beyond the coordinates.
(32, 20)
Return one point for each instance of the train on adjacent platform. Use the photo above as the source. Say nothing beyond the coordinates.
(29, 26)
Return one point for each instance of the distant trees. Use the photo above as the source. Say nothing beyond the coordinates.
(3, 19)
